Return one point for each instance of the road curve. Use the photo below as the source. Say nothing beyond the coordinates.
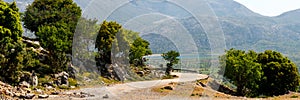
(116, 91)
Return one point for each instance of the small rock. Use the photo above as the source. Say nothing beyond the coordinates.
(168, 87)
(91, 95)
(24, 84)
(68, 93)
(43, 96)
(7, 92)
(17, 94)
(2, 84)
(49, 87)
(28, 90)
(203, 85)
(141, 73)
(27, 96)
(105, 96)
(54, 93)
(72, 87)
(39, 91)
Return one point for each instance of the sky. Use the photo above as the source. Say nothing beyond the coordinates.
(270, 7)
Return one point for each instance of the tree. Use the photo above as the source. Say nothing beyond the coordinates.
(280, 74)
(241, 68)
(54, 23)
(138, 49)
(48, 12)
(57, 41)
(122, 46)
(104, 40)
(171, 56)
(268, 73)
(11, 46)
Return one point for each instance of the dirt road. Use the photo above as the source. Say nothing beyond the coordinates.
(116, 92)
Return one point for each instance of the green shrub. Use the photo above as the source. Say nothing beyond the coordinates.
(45, 79)
(72, 82)
(294, 96)
(63, 87)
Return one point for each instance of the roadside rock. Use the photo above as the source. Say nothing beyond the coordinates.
(81, 95)
(55, 93)
(27, 96)
(105, 96)
(140, 73)
(62, 78)
(43, 96)
(24, 84)
(34, 79)
(169, 87)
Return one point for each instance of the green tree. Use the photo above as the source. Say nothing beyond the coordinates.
(57, 41)
(138, 49)
(47, 12)
(121, 45)
(104, 41)
(280, 74)
(171, 56)
(54, 23)
(268, 73)
(241, 68)
(11, 46)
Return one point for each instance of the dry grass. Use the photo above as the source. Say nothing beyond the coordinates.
(200, 91)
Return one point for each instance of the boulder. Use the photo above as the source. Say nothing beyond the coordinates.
(62, 78)
(34, 80)
(24, 84)
(140, 73)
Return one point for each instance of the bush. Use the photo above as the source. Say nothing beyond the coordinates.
(45, 80)
(63, 87)
(268, 73)
(72, 82)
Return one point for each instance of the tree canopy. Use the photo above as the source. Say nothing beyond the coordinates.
(243, 70)
(118, 45)
(48, 12)
(138, 49)
(54, 23)
(14, 56)
(171, 56)
(104, 40)
(268, 73)
(280, 74)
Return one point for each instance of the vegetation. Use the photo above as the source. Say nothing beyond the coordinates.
(170, 56)
(138, 49)
(280, 74)
(268, 73)
(115, 44)
(11, 46)
(104, 40)
(54, 23)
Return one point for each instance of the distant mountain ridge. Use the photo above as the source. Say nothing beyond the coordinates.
(243, 28)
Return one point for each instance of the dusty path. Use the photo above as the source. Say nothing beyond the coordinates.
(116, 92)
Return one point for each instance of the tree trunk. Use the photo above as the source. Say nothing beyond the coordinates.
(240, 90)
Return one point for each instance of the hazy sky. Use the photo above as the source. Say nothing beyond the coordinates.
(270, 7)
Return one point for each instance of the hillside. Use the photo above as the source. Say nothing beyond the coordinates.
(243, 29)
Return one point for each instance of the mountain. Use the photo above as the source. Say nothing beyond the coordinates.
(242, 28)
